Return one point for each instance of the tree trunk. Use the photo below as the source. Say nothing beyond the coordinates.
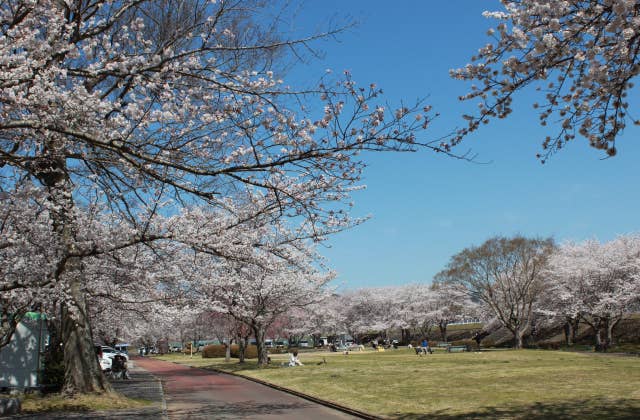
(241, 349)
(82, 370)
(518, 335)
(259, 333)
(574, 328)
(610, 326)
(406, 336)
(568, 333)
(227, 353)
(443, 330)
(599, 343)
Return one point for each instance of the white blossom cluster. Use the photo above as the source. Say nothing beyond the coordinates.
(157, 136)
(597, 283)
(582, 56)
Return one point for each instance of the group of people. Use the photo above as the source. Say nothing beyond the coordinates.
(119, 367)
(425, 348)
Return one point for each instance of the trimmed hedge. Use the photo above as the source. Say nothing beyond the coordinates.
(219, 350)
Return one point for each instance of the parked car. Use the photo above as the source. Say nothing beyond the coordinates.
(110, 352)
(303, 343)
(103, 358)
(105, 363)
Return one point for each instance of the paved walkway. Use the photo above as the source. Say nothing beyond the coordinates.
(200, 394)
(142, 385)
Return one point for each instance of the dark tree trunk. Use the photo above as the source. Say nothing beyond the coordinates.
(259, 333)
(404, 332)
(443, 330)
(227, 353)
(242, 346)
(575, 324)
(568, 333)
(82, 370)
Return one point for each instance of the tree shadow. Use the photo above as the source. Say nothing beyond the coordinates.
(240, 409)
(20, 359)
(581, 409)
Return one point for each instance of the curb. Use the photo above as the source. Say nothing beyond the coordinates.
(163, 404)
(335, 406)
(151, 378)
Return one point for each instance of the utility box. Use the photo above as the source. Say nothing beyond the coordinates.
(21, 360)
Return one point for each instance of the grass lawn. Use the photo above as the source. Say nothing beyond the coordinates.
(90, 402)
(498, 384)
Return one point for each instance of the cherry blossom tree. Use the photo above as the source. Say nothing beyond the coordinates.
(366, 311)
(145, 106)
(600, 283)
(267, 284)
(506, 275)
(28, 256)
(449, 305)
(325, 318)
(582, 56)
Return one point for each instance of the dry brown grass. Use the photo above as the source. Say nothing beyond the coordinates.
(494, 384)
(89, 402)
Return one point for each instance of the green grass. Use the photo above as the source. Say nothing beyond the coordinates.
(498, 384)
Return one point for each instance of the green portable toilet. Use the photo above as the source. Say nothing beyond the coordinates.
(21, 360)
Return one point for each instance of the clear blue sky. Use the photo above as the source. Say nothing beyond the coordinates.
(427, 207)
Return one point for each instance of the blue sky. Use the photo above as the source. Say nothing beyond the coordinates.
(427, 207)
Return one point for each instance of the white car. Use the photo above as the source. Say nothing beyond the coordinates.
(109, 352)
(105, 362)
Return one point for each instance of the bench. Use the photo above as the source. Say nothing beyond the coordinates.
(452, 349)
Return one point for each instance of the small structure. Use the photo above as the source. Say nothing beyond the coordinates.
(122, 347)
(21, 360)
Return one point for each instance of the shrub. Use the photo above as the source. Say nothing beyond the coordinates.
(250, 352)
(214, 350)
(219, 350)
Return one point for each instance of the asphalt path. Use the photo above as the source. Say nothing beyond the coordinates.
(200, 394)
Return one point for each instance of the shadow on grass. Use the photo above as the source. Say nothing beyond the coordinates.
(240, 409)
(237, 367)
(584, 409)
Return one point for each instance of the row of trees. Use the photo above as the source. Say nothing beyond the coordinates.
(152, 158)
(523, 285)
(520, 281)
(520, 284)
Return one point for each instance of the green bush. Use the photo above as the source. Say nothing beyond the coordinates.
(219, 350)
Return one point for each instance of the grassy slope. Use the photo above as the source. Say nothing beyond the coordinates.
(509, 384)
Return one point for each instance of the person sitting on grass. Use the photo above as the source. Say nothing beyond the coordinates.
(293, 359)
